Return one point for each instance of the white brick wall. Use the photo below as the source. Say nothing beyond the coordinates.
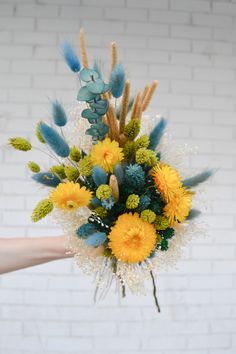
(189, 45)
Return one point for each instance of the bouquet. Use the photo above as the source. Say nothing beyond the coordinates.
(125, 208)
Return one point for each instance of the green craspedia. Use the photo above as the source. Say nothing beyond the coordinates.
(85, 166)
(21, 144)
(38, 134)
(42, 209)
(33, 167)
(75, 154)
(59, 171)
(128, 150)
(161, 222)
(142, 142)
(103, 192)
(132, 129)
(101, 212)
(132, 201)
(71, 173)
(146, 156)
(148, 215)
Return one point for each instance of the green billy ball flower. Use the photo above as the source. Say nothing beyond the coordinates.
(146, 156)
(33, 167)
(75, 154)
(100, 211)
(59, 171)
(142, 142)
(42, 209)
(85, 166)
(132, 129)
(128, 150)
(21, 144)
(71, 173)
(132, 201)
(38, 134)
(103, 192)
(161, 222)
(148, 215)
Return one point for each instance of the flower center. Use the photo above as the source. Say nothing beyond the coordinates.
(133, 237)
(71, 204)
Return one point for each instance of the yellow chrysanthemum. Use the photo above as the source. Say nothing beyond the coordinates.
(132, 239)
(106, 154)
(166, 179)
(70, 195)
(178, 208)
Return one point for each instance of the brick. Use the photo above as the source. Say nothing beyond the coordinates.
(190, 5)
(34, 38)
(209, 341)
(197, 32)
(213, 252)
(212, 20)
(126, 14)
(81, 12)
(169, 17)
(18, 24)
(209, 47)
(38, 10)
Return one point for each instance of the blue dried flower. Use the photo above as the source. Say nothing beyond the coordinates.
(135, 175)
(46, 178)
(157, 133)
(117, 80)
(71, 57)
(85, 230)
(108, 203)
(54, 140)
(119, 173)
(144, 202)
(58, 114)
(99, 175)
(96, 239)
(199, 178)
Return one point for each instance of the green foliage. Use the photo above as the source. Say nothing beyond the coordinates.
(42, 209)
(21, 144)
(33, 167)
(75, 154)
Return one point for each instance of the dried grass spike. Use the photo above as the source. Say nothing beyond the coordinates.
(114, 55)
(134, 107)
(83, 51)
(149, 95)
(113, 183)
(124, 105)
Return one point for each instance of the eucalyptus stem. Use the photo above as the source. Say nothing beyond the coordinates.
(154, 292)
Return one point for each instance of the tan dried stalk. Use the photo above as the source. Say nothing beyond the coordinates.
(135, 103)
(113, 183)
(124, 106)
(149, 95)
(83, 51)
(145, 90)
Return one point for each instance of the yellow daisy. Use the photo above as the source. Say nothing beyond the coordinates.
(70, 195)
(166, 179)
(178, 208)
(131, 239)
(106, 154)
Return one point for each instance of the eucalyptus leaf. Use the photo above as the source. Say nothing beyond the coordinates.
(96, 86)
(85, 95)
(88, 74)
(100, 107)
(89, 114)
(106, 88)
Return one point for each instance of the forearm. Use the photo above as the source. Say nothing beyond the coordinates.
(17, 253)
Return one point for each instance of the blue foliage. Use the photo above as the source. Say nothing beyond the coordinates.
(96, 239)
(85, 230)
(95, 202)
(119, 173)
(108, 203)
(54, 140)
(194, 213)
(144, 202)
(157, 133)
(46, 178)
(199, 178)
(135, 175)
(58, 114)
(99, 175)
(71, 57)
(117, 80)
(97, 68)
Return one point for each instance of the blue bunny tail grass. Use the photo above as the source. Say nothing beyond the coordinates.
(194, 213)
(119, 173)
(130, 104)
(99, 175)
(95, 202)
(195, 180)
(117, 80)
(96, 239)
(85, 230)
(58, 114)
(157, 133)
(46, 178)
(71, 57)
(54, 140)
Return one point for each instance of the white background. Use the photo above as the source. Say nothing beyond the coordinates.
(189, 46)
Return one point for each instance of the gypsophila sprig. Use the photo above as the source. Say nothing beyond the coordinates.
(114, 182)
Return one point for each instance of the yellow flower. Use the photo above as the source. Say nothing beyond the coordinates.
(106, 154)
(131, 239)
(70, 195)
(178, 208)
(166, 179)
